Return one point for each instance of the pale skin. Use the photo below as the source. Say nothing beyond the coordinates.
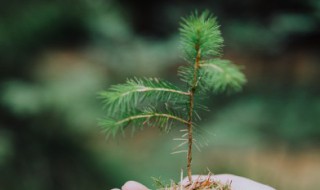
(237, 183)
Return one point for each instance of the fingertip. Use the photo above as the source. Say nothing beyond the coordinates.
(133, 185)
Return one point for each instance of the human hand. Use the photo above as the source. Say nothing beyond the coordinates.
(237, 183)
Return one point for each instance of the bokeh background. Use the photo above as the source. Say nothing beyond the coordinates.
(55, 56)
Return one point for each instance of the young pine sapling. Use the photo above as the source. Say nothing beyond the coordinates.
(155, 102)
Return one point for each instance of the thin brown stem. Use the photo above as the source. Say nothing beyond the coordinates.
(191, 107)
(152, 115)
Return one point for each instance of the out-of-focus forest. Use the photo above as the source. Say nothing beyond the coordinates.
(55, 56)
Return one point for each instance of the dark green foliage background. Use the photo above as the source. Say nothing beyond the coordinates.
(56, 55)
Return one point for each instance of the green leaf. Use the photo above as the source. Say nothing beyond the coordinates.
(148, 117)
(125, 97)
(221, 75)
(186, 74)
(158, 183)
(200, 32)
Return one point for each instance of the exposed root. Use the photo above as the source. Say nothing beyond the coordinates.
(206, 183)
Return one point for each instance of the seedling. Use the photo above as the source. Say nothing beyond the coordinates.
(155, 102)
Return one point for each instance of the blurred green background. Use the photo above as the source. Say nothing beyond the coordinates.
(55, 56)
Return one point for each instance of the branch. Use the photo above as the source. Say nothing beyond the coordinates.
(112, 127)
(213, 66)
(148, 116)
(124, 97)
(148, 89)
(221, 75)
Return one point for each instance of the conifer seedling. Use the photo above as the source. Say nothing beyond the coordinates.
(155, 102)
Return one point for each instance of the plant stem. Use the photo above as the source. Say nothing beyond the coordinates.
(191, 107)
(152, 115)
(147, 89)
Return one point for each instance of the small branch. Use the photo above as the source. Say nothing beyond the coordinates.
(147, 89)
(212, 66)
(152, 115)
(180, 151)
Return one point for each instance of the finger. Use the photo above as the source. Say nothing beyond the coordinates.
(133, 185)
(240, 183)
